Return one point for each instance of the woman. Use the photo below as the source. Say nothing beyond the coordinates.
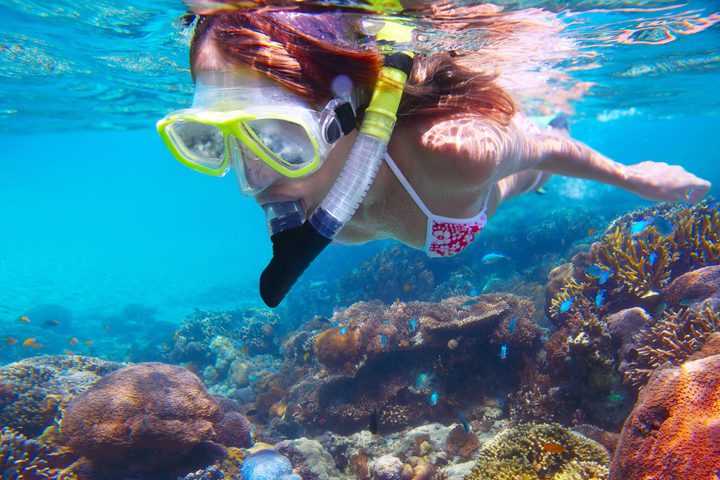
(460, 148)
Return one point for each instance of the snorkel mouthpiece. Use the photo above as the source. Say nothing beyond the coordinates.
(295, 249)
(281, 216)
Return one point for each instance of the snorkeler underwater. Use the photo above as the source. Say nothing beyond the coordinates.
(363, 240)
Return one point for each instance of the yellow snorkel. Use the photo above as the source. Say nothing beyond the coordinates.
(295, 249)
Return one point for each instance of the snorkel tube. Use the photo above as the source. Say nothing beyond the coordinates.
(294, 249)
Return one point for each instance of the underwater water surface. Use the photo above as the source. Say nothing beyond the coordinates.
(112, 249)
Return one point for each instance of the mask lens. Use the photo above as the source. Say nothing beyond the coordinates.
(287, 141)
(199, 143)
(253, 175)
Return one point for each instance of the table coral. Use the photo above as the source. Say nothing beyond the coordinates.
(674, 429)
(409, 361)
(540, 451)
(146, 415)
(35, 391)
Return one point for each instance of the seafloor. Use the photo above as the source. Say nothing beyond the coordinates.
(609, 369)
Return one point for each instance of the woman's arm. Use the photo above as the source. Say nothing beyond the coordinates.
(651, 180)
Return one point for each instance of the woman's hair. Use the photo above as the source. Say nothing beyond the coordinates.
(306, 52)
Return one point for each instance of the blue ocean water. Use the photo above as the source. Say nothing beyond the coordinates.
(96, 216)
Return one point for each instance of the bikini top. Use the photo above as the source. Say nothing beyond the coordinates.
(445, 236)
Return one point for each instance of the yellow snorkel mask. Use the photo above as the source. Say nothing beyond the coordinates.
(255, 126)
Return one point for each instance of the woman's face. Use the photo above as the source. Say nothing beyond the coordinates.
(312, 189)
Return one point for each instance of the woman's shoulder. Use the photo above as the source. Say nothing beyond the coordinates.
(463, 149)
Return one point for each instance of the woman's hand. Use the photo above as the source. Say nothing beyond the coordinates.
(665, 183)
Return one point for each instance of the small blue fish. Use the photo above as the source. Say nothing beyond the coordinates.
(638, 227)
(565, 306)
(317, 284)
(383, 340)
(473, 292)
(599, 273)
(343, 330)
(413, 324)
(434, 397)
(512, 325)
(464, 421)
(599, 298)
(663, 226)
(651, 258)
(605, 275)
(423, 380)
(503, 351)
(469, 303)
(490, 258)
(335, 324)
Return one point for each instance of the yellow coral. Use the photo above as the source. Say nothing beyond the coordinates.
(630, 256)
(540, 451)
(670, 341)
(698, 233)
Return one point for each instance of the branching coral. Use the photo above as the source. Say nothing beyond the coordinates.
(672, 339)
(640, 253)
(539, 451)
(23, 458)
(698, 235)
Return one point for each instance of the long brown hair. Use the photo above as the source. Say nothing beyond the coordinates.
(305, 53)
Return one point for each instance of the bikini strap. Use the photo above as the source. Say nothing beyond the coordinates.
(408, 188)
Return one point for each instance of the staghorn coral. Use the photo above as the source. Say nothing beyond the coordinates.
(23, 458)
(697, 233)
(35, 391)
(674, 429)
(540, 451)
(640, 263)
(627, 255)
(671, 339)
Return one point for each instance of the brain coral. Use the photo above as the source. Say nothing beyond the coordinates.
(34, 391)
(145, 415)
(674, 429)
(540, 451)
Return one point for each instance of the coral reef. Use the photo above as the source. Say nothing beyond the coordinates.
(267, 465)
(23, 458)
(674, 429)
(394, 273)
(540, 451)
(144, 417)
(629, 305)
(311, 460)
(35, 391)
(638, 256)
(387, 467)
(671, 339)
(406, 362)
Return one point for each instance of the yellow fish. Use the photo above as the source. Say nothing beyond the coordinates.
(28, 341)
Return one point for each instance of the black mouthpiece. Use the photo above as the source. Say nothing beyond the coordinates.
(293, 251)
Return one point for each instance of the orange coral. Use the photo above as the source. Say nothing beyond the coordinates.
(674, 430)
(338, 348)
